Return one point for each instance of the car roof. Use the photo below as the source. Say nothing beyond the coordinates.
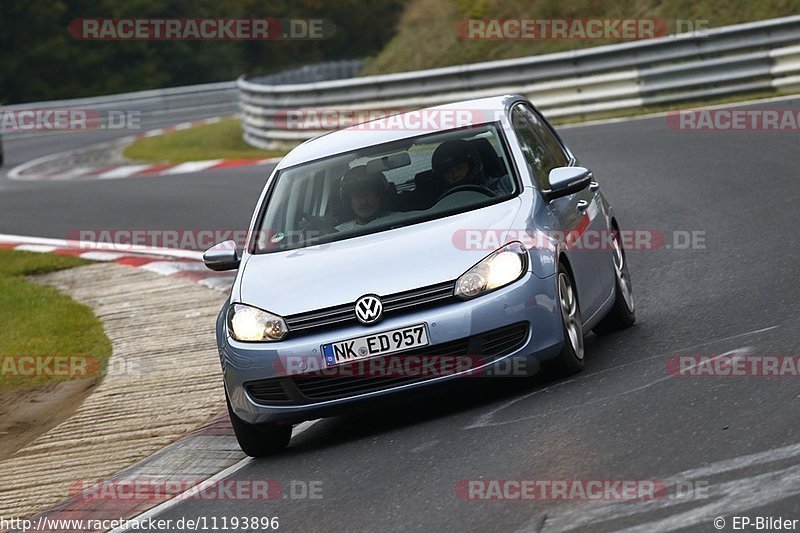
(439, 118)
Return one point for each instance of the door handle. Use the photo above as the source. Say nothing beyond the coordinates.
(582, 205)
(593, 186)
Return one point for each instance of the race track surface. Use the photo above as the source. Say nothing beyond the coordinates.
(624, 418)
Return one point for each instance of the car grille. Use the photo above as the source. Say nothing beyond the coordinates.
(268, 391)
(344, 315)
(312, 388)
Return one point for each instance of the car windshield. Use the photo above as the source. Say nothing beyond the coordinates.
(385, 186)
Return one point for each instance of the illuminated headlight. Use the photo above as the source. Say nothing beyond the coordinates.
(502, 267)
(246, 323)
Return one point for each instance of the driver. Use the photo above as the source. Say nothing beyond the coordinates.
(366, 194)
(455, 163)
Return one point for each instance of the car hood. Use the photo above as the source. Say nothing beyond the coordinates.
(382, 263)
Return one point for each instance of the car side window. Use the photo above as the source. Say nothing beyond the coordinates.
(542, 150)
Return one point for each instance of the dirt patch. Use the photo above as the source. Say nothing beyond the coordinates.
(27, 413)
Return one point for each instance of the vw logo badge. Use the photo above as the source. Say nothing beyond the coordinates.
(369, 309)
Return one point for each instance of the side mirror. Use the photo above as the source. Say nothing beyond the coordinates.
(222, 256)
(567, 180)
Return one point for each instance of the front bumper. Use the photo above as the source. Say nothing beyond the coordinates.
(453, 328)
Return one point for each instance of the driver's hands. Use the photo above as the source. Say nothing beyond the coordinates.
(322, 226)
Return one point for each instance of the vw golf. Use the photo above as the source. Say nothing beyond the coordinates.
(393, 256)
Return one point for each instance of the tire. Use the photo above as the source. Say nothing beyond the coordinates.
(623, 312)
(259, 440)
(570, 360)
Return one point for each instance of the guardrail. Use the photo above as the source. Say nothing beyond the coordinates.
(158, 107)
(316, 72)
(752, 57)
(150, 108)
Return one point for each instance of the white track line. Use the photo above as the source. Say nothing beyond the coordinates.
(167, 268)
(101, 256)
(102, 247)
(16, 173)
(122, 172)
(193, 166)
(38, 248)
(210, 482)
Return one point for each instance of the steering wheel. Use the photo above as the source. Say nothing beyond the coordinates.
(474, 188)
(311, 223)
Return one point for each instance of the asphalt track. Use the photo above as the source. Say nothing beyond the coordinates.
(623, 418)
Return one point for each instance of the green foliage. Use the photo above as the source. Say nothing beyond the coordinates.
(40, 60)
(426, 36)
(473, 8)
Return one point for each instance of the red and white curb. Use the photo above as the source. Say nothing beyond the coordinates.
(58, 166)
(181, 264)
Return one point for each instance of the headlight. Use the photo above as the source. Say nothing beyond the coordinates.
(502, 267)
(246, 323)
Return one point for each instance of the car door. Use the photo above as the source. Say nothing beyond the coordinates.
(578, 218)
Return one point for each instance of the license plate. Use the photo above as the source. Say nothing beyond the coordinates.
(368, 346)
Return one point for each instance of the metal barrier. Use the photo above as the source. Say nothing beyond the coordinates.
(752, 57)
(160, 107)
(151, 108)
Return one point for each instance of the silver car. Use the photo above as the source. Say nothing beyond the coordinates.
(391, 257)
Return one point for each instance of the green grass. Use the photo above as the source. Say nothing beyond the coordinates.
(221, 140)
(426, 36)
(39, 321)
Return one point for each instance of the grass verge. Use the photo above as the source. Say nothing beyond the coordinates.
(221, 140)
(426, 35)
(40, 322)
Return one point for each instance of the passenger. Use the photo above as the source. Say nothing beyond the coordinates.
(366, 194)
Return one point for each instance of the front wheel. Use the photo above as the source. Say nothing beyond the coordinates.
(259, 440)
(623, 313)
(570, 360)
